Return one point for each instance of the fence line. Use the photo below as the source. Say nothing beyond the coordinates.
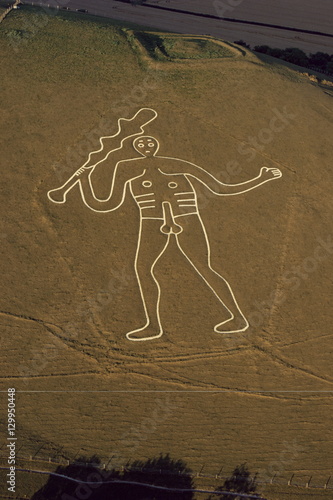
(9, 9)
(308, 483)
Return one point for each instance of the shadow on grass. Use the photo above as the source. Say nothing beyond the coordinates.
(153, 44)
(239, 482)
(160, 478)
(96, 484)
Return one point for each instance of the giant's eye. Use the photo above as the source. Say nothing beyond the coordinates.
(151, 144)
(141, 145)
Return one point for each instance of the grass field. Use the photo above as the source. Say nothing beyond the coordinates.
(264, 397)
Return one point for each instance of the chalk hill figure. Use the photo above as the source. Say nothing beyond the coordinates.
(167, 202)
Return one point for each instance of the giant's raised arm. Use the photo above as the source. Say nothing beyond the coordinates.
(176, 166)
(122, 175)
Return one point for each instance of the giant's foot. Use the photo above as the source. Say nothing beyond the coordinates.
(232, 325)
(148, 332)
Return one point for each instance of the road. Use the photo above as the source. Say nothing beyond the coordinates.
(312, 18)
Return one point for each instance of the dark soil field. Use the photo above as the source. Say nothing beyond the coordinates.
(262, 397)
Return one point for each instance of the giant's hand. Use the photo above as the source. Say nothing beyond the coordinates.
(83, 172)
(59, 195)
(269, 174)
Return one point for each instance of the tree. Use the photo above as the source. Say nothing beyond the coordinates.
(243, 44)
(276, 53)
(264, 49)
(295, 56)
(329, 68)
(319, 60)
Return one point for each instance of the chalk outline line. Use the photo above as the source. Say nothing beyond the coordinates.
(276, 173)
(129, 334)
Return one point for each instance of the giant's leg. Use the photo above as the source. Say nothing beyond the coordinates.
(194, 244)
(151, 245)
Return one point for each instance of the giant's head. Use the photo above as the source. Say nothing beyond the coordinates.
(146, 145)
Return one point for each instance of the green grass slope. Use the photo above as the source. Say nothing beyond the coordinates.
(70, 288)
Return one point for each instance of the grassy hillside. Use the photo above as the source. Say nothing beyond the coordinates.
(71, 292)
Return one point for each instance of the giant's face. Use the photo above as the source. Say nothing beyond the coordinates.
(146, 145)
